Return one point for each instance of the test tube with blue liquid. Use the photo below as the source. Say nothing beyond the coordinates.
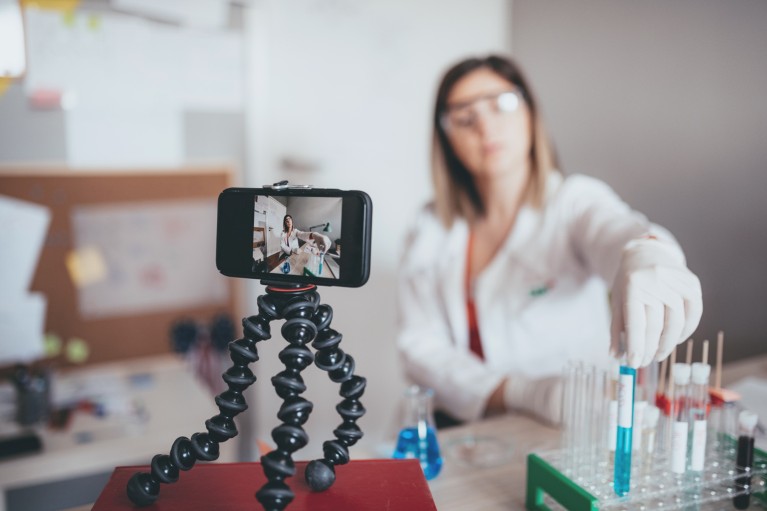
(417, 437)
(626, 389)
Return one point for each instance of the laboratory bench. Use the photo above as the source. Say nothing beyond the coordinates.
(501, 485)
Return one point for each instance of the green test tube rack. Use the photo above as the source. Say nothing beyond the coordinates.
(550, 486)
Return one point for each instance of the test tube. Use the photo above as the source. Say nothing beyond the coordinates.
(568, 411)
(591, 376)
(639, 409)
(651, 382)
(728, 429)
(660, 393)
(622, 472)
(698, 415)
(580, 418)
(746, 424)
(679, 427)
(598, 421)
(612, 412)
(667, 419)
(649, 428)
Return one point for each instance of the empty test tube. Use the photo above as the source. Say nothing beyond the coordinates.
(679, 426)
(698, 415)
(649, 428)
(612, 411)
(639, 410)
(728, 429)
(568, 411)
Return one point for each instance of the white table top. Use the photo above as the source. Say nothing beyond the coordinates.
(461, 487)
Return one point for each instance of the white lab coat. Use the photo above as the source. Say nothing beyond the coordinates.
(542, 300)
(289, 242)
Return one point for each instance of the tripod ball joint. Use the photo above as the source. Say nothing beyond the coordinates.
(320, 475)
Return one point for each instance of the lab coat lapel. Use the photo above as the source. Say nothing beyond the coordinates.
(453, 271)
(502, 287)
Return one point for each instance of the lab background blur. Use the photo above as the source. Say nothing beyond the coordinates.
(665, 101)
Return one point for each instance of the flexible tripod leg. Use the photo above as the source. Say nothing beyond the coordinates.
(144, 488)
(320, 473)
(298, 330)
(304, 319)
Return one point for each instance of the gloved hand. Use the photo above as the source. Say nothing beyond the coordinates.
(656, 302)
(541, 398)
(322, 241)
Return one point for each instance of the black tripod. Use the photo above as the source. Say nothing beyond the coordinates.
(306, 321)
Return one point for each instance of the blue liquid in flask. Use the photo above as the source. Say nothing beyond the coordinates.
(423, 447)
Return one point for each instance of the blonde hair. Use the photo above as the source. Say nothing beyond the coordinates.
(456, 194)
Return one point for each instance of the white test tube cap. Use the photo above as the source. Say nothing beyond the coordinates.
(700, 373)
(682, 373)
(651, 416)
(747, 421)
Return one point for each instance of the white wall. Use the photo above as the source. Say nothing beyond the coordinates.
(345, 88)
(666, 102)
(311, 211)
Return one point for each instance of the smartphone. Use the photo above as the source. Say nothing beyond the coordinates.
(295, 234)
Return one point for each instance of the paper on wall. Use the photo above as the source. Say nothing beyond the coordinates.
(13, 56)
(158, 255)
(24, 226)
(22, 322)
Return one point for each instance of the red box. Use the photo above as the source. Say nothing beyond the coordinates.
(369, 485)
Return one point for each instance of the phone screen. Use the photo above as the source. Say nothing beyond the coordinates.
(298, 235)
(307, 236)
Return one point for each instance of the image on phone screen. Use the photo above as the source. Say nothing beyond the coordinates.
(295, 235)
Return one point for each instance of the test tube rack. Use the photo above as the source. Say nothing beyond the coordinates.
(555, 482)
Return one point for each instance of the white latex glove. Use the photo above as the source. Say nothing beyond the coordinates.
(322, 241)
(656, 302)
(541, 398)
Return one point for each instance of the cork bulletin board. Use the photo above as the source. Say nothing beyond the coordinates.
(127, 254)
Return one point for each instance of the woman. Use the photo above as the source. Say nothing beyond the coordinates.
(507, 272)
(290, 236)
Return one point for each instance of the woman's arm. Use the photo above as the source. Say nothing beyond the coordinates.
(601, 224)
(656, 300)
(322, 241)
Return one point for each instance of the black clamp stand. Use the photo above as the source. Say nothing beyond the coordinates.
(306, 321)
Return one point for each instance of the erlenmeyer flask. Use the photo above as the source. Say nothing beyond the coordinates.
(417, 437)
